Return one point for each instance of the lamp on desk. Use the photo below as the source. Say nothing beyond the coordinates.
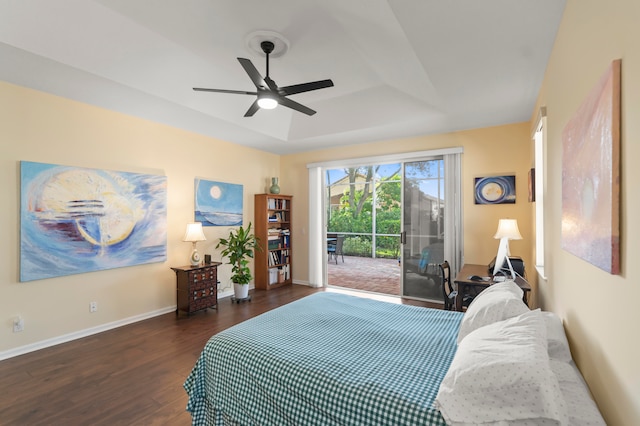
(507, 230)
(194, 234)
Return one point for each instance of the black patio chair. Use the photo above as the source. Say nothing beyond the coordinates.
(335, 250)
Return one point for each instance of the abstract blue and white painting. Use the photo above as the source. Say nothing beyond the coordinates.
(75, 220)
(495, 190)
(218, 203)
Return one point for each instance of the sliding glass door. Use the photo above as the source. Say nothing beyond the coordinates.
(402, 212)
(423, 228)
(430, 229)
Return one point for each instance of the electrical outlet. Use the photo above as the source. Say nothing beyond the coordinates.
(93, 307)
(18, 324)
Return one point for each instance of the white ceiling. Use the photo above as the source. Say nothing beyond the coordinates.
(400, 67)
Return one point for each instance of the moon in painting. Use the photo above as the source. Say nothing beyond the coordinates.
(215, 192)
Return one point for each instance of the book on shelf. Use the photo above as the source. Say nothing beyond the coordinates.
(276, 204)
(274, 244)
(277, 258)
(277, 232)
(273, 276)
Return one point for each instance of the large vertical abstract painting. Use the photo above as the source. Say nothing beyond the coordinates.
(218, 203)
(591, 176)
(75, 220)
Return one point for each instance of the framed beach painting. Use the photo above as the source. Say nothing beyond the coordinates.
(75, 220)
(591, 176)
(218, 203)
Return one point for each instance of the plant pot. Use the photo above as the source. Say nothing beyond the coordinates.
(241, 291)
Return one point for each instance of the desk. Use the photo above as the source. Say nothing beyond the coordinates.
(464, 284)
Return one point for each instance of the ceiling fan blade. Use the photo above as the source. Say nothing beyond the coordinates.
(253, 73)
(252, 109)
(294, 105)
(305, 87)
(237, 92)
(272, 84)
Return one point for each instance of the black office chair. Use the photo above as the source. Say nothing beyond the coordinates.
(336, 249)
(448, 292)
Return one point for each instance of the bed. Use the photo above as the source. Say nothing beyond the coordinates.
(336, 359)
(326, 359)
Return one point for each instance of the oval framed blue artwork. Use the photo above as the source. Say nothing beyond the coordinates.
(495, 190)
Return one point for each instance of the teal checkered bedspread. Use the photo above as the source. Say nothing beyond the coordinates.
(326, 359)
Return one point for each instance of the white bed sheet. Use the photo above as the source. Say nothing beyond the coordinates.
(581, 408)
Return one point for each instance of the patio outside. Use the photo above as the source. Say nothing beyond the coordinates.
(365, 273)
(382, 276)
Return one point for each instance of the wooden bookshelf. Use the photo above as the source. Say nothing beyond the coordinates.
(273, 228)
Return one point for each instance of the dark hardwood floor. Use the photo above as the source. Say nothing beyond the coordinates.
(131, 375)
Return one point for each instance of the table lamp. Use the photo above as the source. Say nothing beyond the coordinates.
(507, 230)
(194, 234)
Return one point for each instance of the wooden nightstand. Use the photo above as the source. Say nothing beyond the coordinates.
(197, 287)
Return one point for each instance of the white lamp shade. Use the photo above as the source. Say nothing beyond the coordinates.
(508, 228)
(194, 233)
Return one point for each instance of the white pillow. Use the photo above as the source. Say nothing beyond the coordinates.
(501, 375)
(496, 303)
(558, 346)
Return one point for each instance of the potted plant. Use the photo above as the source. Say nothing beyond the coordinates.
(238, 248)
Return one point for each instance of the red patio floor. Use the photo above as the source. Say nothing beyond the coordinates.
(365, 273)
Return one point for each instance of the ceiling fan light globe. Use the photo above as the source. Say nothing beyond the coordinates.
(267, 103)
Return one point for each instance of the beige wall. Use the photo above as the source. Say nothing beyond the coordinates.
(39, 127)
(600, 310)
(502, 150)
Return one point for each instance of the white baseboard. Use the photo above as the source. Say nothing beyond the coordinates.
(82, 333)
(225, 294)
(99, 329)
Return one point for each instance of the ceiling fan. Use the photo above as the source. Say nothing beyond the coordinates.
(269, 95)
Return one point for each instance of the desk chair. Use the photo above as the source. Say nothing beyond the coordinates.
(448, 292)
(336, 249)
